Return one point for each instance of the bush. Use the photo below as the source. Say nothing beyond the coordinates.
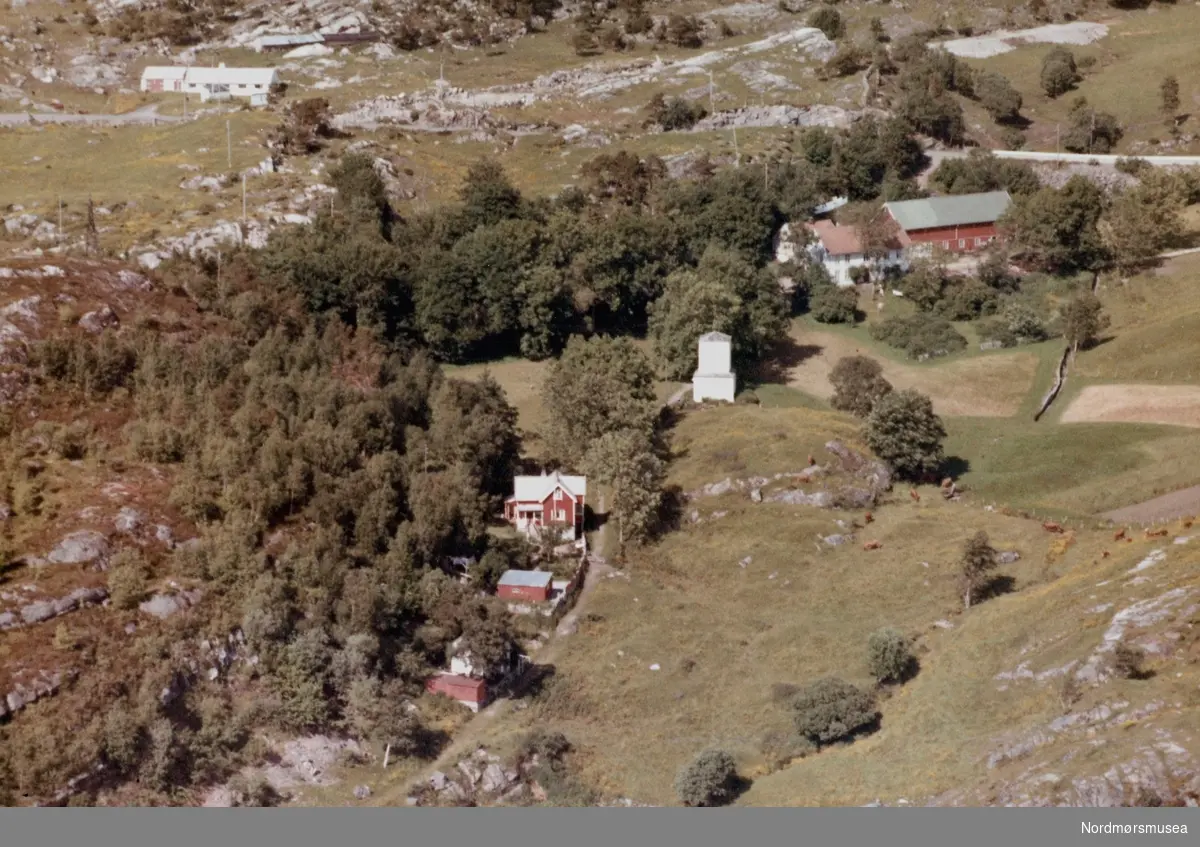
(903, 431)
(1127, 660)
(546, 745)
(831, 709)
(857, 384)
(709, 780)
(921, 335)
(673, 113)
(827, 19)
(128, 579)
(996, 94)
(1012, 138)
(833, 305)
(890, 655)
(1131, 165)
(684, 31)
(1059, 72)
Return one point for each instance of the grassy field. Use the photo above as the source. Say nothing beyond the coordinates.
(1142, 47)
(681, 653)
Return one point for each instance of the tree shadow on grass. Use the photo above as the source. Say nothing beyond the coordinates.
(997, 586)
(955, 466)
(670, 511)
(777, 367)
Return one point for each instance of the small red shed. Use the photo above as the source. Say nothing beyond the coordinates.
(525, 585)
(472, 693)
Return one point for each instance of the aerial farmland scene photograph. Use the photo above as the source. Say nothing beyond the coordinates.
(600, 403)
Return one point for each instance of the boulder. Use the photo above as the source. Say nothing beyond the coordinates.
(362, 792)
(437, 781)
(43, 610)
(129, 520)
(99, 320)
(1007, 557)
(494, 779)
(79, 547)
(756, 495)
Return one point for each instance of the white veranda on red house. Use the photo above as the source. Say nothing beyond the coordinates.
(550, 500)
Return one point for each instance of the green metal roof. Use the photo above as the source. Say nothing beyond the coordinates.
(951, 210)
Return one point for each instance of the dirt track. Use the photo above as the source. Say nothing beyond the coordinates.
(1177, 504)
(1177, 405)
(985, 386)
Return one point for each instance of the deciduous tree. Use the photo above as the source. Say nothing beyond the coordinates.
(903, 431)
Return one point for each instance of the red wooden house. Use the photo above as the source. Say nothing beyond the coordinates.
(550, 500)
(960, 223)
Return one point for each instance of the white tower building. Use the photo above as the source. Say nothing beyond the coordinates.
(714, 378)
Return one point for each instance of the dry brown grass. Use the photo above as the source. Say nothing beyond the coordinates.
(978, 386)
(1178, 405)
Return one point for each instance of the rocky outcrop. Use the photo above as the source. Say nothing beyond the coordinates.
(849, 481)
(28, 691)
(40, 611)
(479, 779)
(80, 548)
(163, 606)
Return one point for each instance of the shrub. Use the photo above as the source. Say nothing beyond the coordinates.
(1059, 72)
(546, 745)
(709, 779)
(684, 31)
(127, 579)
(827, 19)
(890, 655)
(967, 300)
(1012, 138)
(903, 431)
(1131, 165)
(831, 710)
(996, 94)
(833, 305)
(1127, 660)
(857, 384)
(921, 335)
(673, 113)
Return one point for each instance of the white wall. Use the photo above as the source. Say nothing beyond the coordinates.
(722, 387)
(839, 267)
(715, 357)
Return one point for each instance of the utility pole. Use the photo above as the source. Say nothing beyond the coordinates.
(737, 156)
(243, 198)
(60, 224)
(229, 143)
(1092, 132)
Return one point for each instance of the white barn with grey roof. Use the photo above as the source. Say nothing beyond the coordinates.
(217, 83)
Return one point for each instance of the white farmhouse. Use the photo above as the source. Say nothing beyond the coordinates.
(839, 250)
(714, 378)
(217, 83)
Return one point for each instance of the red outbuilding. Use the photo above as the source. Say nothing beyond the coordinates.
(533, 586)
(472, 693)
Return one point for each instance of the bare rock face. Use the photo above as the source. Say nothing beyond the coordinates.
(162, 606)
(79, 548)
(129, 520)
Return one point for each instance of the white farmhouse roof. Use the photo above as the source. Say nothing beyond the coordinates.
(164, 72)
(534, 579)
(231, 76)
(537, 488)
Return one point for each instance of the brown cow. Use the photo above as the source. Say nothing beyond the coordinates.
(1119, 536)
(1050, 526)
(869, 518)
(1104, 555)
(1156, 533)
(872, 545)
(916, 498)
